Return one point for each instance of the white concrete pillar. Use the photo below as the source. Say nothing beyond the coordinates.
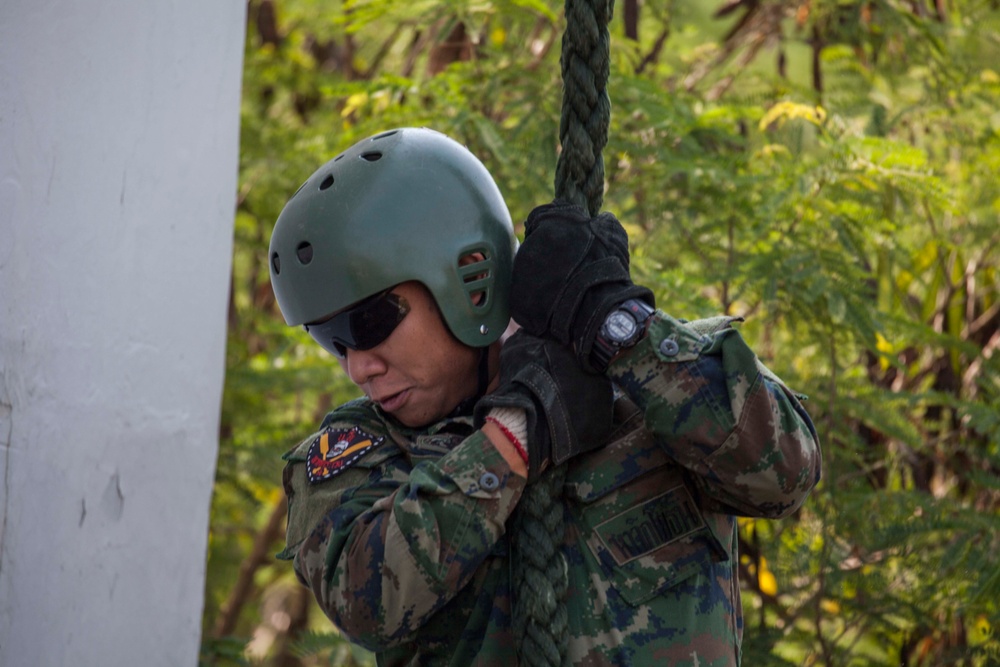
(119, 130)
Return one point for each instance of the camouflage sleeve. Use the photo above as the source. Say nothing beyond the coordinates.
(719, 413)
(384, 544)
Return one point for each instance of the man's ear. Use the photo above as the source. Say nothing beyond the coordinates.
(477, 297)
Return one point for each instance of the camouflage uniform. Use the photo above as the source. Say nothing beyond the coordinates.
(405, 546)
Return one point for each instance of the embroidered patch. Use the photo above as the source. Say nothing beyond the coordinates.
(653, 524)
(336, 450)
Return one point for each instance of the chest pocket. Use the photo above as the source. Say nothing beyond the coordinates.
(639, 519)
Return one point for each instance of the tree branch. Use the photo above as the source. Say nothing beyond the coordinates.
(259, 556)
(654, 53)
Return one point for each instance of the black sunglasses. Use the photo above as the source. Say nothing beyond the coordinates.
(362, 327)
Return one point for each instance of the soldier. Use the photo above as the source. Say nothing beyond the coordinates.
(398, 257)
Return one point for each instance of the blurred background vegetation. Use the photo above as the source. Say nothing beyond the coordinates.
(825, 168)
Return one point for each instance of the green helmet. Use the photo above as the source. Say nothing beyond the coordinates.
(402, 205)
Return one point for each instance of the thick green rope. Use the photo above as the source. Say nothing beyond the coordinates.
(586, 107)
(540, 569)
(540, 574)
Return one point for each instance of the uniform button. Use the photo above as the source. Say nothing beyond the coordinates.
(669, 347)
(489, 481)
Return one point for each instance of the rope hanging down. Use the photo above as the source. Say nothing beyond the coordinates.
(540, 571)
(586, 107)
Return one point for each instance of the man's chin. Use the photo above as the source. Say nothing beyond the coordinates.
(410, 415)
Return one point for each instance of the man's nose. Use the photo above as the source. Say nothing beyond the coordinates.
(363, 365)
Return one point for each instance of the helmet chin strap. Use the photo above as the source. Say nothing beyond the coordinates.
(464, 409)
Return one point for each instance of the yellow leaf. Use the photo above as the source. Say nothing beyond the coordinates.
(830, 606)
(768, 584)
(980, 631)
(498, 37)
(773, 151)
(783, 111)
(354, 102)
(885, 348)
(882, 344)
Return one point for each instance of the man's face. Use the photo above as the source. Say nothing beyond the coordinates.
(420, 372)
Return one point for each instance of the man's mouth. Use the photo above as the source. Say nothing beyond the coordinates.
(392, 402)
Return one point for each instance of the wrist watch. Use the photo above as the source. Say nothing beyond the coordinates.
(622, 328)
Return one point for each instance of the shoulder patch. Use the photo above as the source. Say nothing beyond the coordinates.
(336, 450)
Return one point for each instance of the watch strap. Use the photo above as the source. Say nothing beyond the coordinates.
(604, 350)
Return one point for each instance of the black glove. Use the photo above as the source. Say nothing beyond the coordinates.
(569, 273)
(568, 410)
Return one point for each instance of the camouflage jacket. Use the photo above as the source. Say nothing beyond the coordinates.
(401, 533)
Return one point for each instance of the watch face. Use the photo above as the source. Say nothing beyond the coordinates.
(619, 326)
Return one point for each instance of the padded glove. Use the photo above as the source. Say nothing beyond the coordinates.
(568, 410)
(569, 273)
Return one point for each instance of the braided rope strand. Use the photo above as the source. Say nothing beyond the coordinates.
(586, 107)
(540, 572)
(541, 580)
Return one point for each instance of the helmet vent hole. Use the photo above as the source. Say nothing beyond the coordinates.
(476, 272)
(327, 182)
(304, 252)
(384, 135)
(372, 156)
(276, 263)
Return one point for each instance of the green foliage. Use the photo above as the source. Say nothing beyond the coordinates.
(843, 201)
(332, 649)
(225, 652)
